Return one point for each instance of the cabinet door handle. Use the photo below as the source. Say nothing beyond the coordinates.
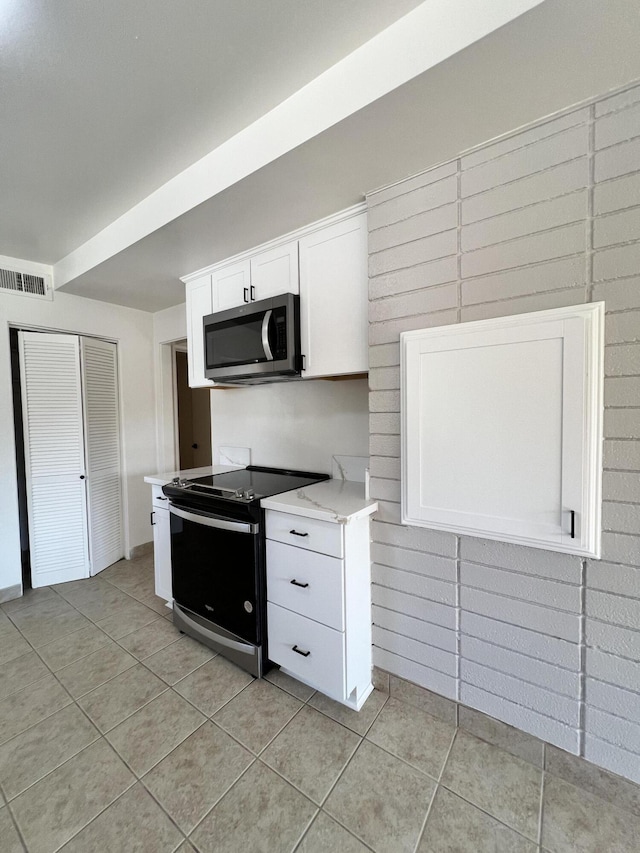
(297, 583)
(162, 499)
(572, 512)
(300, 652)
(151, 514)
(253, 293)
(245, 294)
(295, 533)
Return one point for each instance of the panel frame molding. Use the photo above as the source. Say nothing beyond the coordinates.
(589, 526)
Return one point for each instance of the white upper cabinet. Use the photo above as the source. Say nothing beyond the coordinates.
(334, 299)
(274, 272)
(230, 286)
(326, 263)
(199, 304)
(502, 428)
(267, 274)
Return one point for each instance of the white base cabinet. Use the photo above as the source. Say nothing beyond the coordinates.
(319, 603)
(160, 520)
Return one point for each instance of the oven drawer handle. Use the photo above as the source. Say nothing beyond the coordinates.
(295, 533)
(300, 652)
(247, 648)
(297, 583)
(218, 523)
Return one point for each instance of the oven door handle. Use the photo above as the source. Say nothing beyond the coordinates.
(265, 334)
(215, 521)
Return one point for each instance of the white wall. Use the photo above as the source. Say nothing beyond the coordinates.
(168, 326)
(293, 424)
(133, 331)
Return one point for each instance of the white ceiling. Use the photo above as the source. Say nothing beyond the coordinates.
(102, 102)
(141, 133)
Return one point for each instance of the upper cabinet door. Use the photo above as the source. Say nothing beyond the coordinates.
(502, 428)
(199, 304)
(274, 272)
(334, 299)
(231, 286)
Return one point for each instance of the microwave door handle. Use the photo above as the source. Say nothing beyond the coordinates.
(265, 334)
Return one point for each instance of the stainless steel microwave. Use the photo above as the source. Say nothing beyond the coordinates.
(254, 343)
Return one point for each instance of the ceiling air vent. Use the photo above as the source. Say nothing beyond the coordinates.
(24, 283)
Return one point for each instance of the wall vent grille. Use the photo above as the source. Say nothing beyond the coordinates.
(24, 283)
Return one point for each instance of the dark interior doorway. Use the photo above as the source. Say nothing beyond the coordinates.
(194, 419)
(20, 461)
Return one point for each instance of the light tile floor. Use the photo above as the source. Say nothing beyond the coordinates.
(117, 733)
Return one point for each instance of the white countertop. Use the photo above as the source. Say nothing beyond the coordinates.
(341, 501)
(161, 479)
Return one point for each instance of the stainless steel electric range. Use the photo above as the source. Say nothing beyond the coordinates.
(218, 558)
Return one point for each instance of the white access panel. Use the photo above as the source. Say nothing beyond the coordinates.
(54, 457)
(102, 452)
(502, 428)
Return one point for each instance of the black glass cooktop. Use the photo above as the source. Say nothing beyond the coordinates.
(263, 482)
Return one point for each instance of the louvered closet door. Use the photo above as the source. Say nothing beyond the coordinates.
(54, 456)
(102, 443)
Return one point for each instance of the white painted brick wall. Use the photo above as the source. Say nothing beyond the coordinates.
(547, 217)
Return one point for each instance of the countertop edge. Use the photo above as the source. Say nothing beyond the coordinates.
(337, 501)
(321, 515)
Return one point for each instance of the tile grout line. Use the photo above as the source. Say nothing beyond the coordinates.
(101, 736)
(210, 718)
(17, 828)
(541, 806)
(137, 778)
(220, 798)
(344, 768)
(435, 790)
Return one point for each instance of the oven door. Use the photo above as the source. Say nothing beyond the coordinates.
(215, 570)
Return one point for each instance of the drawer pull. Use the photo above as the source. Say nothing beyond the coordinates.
(162, 499)
(300, 652)
(297, 583)
(295, 533)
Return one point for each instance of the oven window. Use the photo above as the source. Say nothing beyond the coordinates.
(215, 573)
(237, 341)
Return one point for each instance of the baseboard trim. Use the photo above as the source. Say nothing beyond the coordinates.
(141, 550)
(10, 592)
(579, 771)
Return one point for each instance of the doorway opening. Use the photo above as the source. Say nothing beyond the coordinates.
(193, 417)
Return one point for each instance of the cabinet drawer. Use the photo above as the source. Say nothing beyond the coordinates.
(309, 533)
(323, 663)
(318, 588)
(159, 500)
